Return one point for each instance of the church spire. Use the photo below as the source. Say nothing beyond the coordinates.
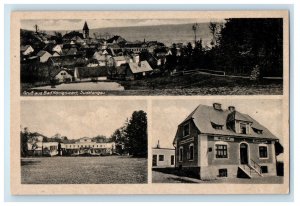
(85, 30)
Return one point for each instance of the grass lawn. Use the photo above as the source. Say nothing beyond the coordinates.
(162, 177)
(84, 170)
(200, 83)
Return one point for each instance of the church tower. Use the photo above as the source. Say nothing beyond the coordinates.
(86, 31)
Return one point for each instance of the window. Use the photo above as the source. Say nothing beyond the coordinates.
(186, 129)
(222, 172)
(263, 152)
(172, 159)
(161, 157)
(154, 160)
(216, 126)
(191, 152)
(264, 169)
(243, 128)
(180, 154)
(258, 131)
(221, 151)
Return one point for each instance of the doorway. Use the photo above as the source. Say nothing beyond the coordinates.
(244, 153)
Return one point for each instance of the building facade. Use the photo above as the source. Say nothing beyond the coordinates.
(163, 157)
(85, 146)
(213, 142)
(82, 147)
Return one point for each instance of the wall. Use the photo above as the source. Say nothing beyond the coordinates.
(167, 157)
(185, 142)
(62, 77)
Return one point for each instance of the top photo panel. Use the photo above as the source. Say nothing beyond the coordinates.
(153, 56)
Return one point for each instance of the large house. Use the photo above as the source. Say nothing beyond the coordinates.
(213, 142)
(85, 146)
(82, 147)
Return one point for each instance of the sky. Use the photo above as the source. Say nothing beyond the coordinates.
(168, 114)
(77, 118)
(77, 24)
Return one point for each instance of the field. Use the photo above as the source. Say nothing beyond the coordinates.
(203, 84)
(173, 177)
(84, 170)
(192, 84)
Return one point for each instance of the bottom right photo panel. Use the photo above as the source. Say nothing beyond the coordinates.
(234, 141)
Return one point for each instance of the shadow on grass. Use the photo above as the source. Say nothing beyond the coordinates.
(29, 162)
(175, 171)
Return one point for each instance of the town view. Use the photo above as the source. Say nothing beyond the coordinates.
(228, 56)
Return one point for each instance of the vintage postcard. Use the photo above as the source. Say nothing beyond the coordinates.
(150, 102)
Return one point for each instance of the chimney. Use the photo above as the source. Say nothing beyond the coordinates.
(231, 108)
(158, 146)
(217, 106)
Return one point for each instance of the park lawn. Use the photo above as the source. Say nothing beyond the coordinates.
(84, 170)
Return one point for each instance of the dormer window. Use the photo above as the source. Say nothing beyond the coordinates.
(217, 126)
(243, 128)
(258, 131)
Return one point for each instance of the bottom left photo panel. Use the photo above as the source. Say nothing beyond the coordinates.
(83, 142)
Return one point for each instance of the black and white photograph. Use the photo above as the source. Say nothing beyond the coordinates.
(150, 102)
(224, 141)
(83, 142)
(179, 56)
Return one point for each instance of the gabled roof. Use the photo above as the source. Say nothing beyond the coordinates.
(119, 58)
(42, 53)
(55, 71)
(143, 66)
(203, 117)
(116, 38)
(24, 48)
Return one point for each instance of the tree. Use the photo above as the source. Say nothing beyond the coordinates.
(24, 139)
(195, 28)
(36, 28)
(247, 43)
(136, 134)
(213, 29)
(119, 137)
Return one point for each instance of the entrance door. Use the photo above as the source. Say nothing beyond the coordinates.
(244, 153)
(154, 160)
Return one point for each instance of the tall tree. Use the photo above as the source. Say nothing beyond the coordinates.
(249, 43)
(136, 134)
(24, 139)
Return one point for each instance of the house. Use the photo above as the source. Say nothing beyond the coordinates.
(90, 73)
(61, 75)
(116, 40)
(102, 58)
(163, 157)
(44, 56)
(213, 142)
(87, 147)
(118, 61)
(53, 48)
(41, 148)
(26, 50)
(137, 70)
(135, 47)
(55, 54)
(62, 61)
